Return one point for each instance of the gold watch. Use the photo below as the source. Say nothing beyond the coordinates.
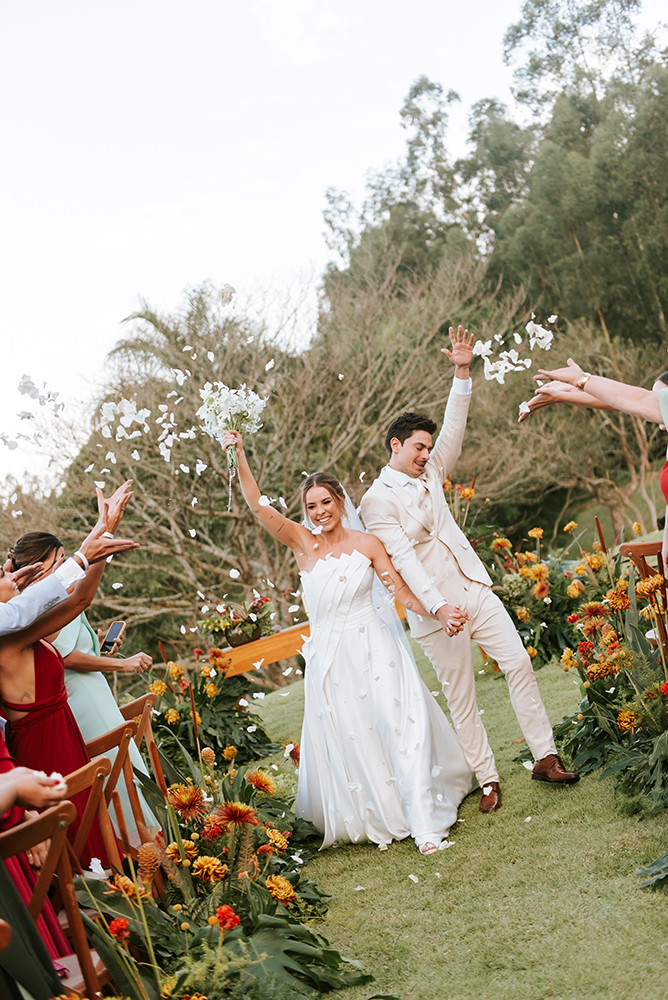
(581, 382)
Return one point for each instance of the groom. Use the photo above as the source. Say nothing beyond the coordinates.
(406, 508)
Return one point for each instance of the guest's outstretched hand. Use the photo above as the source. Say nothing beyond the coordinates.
(547, 395)
(571, 374)
(111, 510)
(462, 342)
(100, 545)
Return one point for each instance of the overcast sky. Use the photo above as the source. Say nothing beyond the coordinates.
(151, 145)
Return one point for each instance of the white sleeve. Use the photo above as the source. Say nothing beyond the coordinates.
(22, 611)
(69, 573)
(462, 386)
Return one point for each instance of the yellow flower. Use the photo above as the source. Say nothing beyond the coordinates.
(167, 988)
(580, 569)
(277, 840)
(157, 687)
(571, 526)
(501, 543)
(645, 588)
(172, 716)
(532, 651)
(536, 533)
(125, 885)
(175, 670)
(568, 658)
(575, 588)
(280, 888)
(229, 753)
(618, 598)
(637, 528)
(208, 869)
(627, 721)
(603, 667)
(206, 671)
(594, 560)
(172, 851)
(211, 690)
(197, 716)
(185, 926)
(522, 614)
(467, 493)
(526, 572)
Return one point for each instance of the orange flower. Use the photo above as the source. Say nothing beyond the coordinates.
(173, 853)
(594, 609)
(540, 590)
(197, 716)
(637, 528)
(157, 687)
(501, 543)
(628, 721)
(522, 614)
(212, 828)
(229, 753)
(208, 869)
(172, 716)
(277, 839)
(175, 670)
(237, 813)
(575, 588)
(536, 533)
(532, 651)
(594, 560)
(261, 781)
(188, 801)
(119, 929)
(280, 888)
(571, 526)
(211, 690)
(467, 493)
(593, 625)
(227, 918)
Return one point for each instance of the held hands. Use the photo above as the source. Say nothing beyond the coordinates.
(452, 618)
(546, 395)
(461, 354)
(571, 374)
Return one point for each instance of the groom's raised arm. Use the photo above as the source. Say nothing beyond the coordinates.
(448, 445)
(22, 611)
(380, 520)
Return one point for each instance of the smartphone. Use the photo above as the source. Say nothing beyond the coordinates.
(114, 632)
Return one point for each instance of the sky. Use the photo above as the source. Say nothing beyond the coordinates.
(151, 145)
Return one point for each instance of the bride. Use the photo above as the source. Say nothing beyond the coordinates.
(379, 760)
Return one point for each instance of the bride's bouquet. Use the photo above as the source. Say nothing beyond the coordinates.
(224, 409)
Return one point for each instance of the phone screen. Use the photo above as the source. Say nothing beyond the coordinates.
(114, 632)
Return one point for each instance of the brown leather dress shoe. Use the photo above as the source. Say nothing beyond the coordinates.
(550, 768)
(491, 797)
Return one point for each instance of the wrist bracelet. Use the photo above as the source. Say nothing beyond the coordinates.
(107, 534)
(581, 382)
(85, 562)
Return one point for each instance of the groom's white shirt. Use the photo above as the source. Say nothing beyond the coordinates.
(424, 547)
(22, 610)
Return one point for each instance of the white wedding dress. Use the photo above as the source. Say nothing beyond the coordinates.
(379, 760)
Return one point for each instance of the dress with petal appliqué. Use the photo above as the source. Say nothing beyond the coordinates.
(379, 760)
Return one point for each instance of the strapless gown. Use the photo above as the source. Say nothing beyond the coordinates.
(379, 760)
(48, 738)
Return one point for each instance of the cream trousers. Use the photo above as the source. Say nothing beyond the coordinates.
(489, 625)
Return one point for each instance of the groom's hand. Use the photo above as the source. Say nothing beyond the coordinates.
(452, 618)
(461, 354)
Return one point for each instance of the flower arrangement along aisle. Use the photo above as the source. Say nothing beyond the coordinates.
(222, 715)
(622, 721)
(236, 624)
(230, 922)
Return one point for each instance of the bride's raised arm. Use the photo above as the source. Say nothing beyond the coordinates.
(282, 528)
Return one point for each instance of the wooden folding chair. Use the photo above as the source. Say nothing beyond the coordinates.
(86, 971)
(639, 553)
(142, 708)
(92, 776)
(117, 739)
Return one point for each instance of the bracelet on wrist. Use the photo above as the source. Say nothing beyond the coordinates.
(582, 381)
(85, 562)
(107, 534)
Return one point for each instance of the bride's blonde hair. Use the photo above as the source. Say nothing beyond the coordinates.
(328, 482)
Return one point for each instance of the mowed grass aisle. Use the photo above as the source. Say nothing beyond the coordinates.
(518, 908)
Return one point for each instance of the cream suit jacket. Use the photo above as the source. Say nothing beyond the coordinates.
(21, 611)
(421, 551)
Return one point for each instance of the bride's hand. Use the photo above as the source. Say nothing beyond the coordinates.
(233, 438)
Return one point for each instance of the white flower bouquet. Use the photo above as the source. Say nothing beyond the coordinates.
(224, 409)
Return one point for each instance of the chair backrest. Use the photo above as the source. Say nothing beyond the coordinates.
(143, 707)
(52, 825)
(92, 777)
(639, 553)
(118, 738)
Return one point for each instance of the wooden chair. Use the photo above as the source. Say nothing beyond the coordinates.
(117, 739)
(86, 971)
(92, 776)
(142, 708)
(639, 553)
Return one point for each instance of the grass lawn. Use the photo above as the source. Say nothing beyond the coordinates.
(518, 908)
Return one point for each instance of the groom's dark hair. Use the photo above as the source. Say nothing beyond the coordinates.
(405, 425)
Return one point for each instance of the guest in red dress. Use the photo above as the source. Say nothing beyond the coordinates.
(23, 874)
(41, 732)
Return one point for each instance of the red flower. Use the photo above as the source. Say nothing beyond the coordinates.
(572, 619)
(664, 689)
(183, 686)
(197, 653)
(227, 918)
(585, 649)
(265, 849)
(118, 929)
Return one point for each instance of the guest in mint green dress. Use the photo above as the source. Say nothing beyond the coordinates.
(88, 693)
